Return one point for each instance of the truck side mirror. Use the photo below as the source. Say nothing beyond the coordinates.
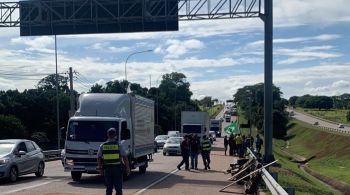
(125, 134)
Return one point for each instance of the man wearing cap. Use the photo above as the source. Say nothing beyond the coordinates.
(109, 162)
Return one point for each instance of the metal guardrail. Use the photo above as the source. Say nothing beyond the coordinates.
(334, 130)
(270, 182)
(52, 154)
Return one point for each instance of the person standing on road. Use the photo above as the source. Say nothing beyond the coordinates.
(194, 144)
(109, 163)
(206, 148)
(230, 143)
(225, 143)
(258, 143)
(185, 152)
(239, 145)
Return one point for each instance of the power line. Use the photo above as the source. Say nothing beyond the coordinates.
(81, 82)
(82, 77)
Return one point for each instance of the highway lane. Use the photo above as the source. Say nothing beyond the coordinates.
(58, 182)
(321, 123)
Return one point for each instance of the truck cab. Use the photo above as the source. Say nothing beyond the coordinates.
(84, 137)
(131, 115)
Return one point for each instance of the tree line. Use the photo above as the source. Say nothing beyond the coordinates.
(31, 114)
(321, 102)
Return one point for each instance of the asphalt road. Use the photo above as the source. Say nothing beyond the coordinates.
(321, 123)
(161, 177)
(57, 182)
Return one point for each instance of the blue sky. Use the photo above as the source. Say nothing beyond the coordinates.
(311, 53)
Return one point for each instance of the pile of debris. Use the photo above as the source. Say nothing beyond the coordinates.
(246, 172)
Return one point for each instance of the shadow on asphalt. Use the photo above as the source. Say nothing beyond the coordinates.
(135, 180)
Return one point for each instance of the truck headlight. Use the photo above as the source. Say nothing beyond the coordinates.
(4, 161)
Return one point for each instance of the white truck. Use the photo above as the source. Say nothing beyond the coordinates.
(131, 115)
(195, 123)
(215, 125)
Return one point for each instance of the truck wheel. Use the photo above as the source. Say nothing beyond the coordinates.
(164, 154)
(142, 169)
(76, 176)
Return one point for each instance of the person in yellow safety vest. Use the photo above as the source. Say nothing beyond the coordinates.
(109, 163)
(206, 148)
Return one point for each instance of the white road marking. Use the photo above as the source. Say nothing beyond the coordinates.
(32, 186)
(156, 182)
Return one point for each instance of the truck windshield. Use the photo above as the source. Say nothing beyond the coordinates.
(214, 129)
(192, 129)
(90, 130)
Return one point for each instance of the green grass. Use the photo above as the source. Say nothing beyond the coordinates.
(215, 110)
(335, 115)
(289, 175)
(332, 150)
(302, 136)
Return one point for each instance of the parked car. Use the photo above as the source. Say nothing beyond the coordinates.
(172, 146)
(161, 139)
(316, 123)
(212, 136)
(20, 157)
(340, 126)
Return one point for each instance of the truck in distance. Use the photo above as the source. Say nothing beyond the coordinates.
(195, 123)
(133, 118)
(215, 125)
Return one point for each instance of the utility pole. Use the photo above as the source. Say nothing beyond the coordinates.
(72, 105)
(57, 102)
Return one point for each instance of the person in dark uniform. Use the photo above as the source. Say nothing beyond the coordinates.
(206, 147)
(194, 148)
(185, 152)
(225, 143)
(109, 162)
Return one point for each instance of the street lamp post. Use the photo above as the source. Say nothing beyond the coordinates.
(126, 61)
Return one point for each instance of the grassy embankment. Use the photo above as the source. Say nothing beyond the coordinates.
(213, 111)
(335, 115)
(331, 150)
(301, 137)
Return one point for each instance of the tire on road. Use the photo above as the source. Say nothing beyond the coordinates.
(142, 169)
(76, 176)
(41, 169)
(13, 174)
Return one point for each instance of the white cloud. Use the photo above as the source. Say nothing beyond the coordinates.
(336, 88)
(341, 84)
(322, 37)
(289, 80)
(106, 47)
(306, 54)
(298, 12)
(176, 48)
(37, 44)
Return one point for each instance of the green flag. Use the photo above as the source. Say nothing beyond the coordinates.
(231, 128)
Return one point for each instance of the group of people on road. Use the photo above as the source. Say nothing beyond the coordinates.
(237, 144)
(192, 146)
